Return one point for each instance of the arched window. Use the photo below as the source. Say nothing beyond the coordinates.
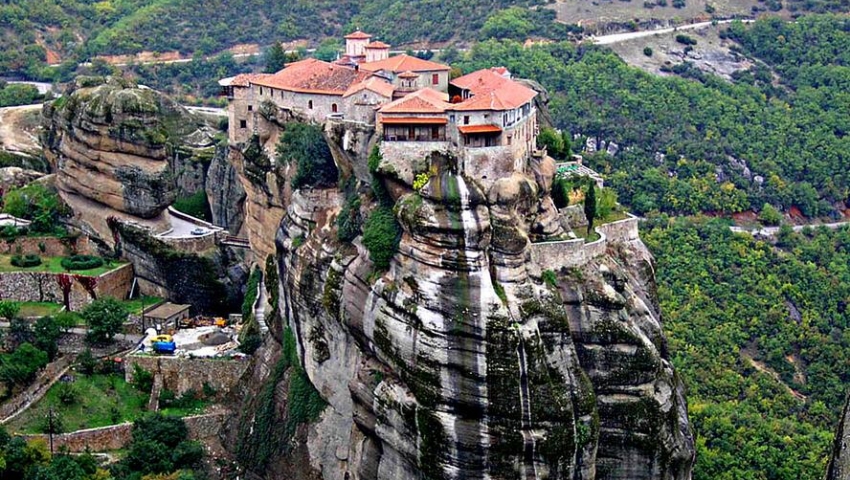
(310, 104)
(333, 108)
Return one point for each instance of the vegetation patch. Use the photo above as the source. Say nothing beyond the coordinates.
(25, 261)
(381, 236)
(97, 400)
(81, 262)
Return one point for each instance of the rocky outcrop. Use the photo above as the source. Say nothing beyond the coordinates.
(839, 461)
(122, 150)
(225, 193)
(464, 359)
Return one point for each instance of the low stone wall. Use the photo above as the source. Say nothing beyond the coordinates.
(193, 243)
(402, 159)
(116, 437)
(621, 231)
(180, 374)
(53, 246)
(574, 253)
(37, 389)
(44, 287)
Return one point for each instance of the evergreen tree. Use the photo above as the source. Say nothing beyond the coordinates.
(590, 205)
(275, 58)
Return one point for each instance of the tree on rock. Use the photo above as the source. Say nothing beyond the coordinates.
(306, 147)
(590, 205)
(104, 317)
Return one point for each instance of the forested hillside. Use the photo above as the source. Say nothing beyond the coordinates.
(758, 332)
(79, 29)
(702, 144)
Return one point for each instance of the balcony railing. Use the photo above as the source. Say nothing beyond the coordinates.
(415, 138)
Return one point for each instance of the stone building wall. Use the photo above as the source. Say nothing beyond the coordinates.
(44, 287)
(182, 374)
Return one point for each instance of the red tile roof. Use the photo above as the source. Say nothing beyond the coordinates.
(313, 76)
(408, 74)
(404, 63)
(471, 129)
(377, 45)
(374, 84)
(241, 80)
(414, 121)
(491, 91)
(425, 100)
(358, 35)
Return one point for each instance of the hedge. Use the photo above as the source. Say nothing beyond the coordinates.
(26, 261)
(81, 262)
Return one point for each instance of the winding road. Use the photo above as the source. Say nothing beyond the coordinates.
(770, 231)
(623, 37)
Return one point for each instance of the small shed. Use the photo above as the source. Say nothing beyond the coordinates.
(166, 315)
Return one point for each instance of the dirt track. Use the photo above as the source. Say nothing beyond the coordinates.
(18, 130)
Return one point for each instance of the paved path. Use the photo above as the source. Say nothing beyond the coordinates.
(622, 37)
(770, 231)
(220, 112)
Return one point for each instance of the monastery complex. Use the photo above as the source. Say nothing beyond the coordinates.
(405, 98)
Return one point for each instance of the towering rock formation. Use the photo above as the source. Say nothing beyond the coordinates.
(122, 154)
(124, 151)
(464, 359)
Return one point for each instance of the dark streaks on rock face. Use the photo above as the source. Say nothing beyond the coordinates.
(460, 361)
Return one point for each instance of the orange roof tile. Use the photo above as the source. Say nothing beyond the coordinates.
(413, 121)
(241, 80)
(491, 91)
(377, 45)
(374, 84)
(404, 63)
(420, 101)
(313, 76)
(470, 129)
(408, 74)
(358, 35)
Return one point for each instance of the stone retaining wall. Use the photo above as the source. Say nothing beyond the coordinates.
(574, 253)
(116, 437)
(44, 287)
(180, 374)
(53, 246)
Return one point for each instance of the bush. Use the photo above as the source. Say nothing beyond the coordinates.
(381, 235)
(685, 40)
(349, 220)
(26, 261)
(9, 309)
(68, 393)
(81, 262)
(770, 215)
(142, 379)
(647, 51)
(87, 364)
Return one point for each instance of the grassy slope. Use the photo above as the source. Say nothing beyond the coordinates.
(53, 265)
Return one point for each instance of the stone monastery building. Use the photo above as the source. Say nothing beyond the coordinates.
(405, 98)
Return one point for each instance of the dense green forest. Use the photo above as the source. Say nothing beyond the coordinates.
(733, 305)
(80, 29)
(792, 135)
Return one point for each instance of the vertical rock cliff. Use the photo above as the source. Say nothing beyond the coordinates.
(464, 358)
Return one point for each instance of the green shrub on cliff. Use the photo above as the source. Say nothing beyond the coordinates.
(305, 146)
(381, 235)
